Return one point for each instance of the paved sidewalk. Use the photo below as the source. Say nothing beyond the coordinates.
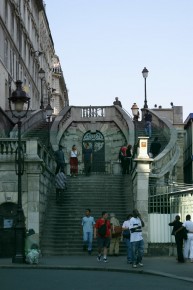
(162, 266)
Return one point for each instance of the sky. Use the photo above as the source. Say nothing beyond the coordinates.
(103, 46)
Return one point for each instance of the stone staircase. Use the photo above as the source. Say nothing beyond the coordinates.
(62, 233)
(156, 132)
(40, 131)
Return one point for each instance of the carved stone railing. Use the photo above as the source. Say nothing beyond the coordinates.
(93, 112)
(167, 159)
(8, 146)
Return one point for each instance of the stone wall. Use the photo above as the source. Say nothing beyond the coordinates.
(37, 181)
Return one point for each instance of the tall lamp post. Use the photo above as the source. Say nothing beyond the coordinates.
(16, 105)
(42, 76)
(145, 75)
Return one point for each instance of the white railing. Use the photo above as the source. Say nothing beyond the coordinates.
(162, 209)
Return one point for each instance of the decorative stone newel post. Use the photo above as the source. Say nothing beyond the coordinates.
(141, 184)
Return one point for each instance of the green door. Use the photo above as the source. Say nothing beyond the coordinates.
(97, 144)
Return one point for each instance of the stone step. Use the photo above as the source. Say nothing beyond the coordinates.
(62, 229)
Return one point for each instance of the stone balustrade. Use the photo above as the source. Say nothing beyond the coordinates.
(93, 112)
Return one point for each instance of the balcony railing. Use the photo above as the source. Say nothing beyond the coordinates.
(93, 112)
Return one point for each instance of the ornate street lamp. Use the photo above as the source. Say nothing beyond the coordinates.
(16, 105)
(135, 112)
(145, 75)
(42, 76)
(49, 111)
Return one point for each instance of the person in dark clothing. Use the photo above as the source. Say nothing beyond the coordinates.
(148, 120)
(155, 147)
(122, 158)
(117, 102)
(128, 159)
(177, 231)
(60, 160)
(87, 158)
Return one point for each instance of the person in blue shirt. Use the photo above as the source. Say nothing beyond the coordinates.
(88, 223)
(87, 159)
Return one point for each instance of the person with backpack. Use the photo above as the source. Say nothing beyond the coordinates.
(102, 232)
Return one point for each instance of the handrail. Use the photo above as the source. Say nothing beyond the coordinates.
(165, 161)
(29, 122)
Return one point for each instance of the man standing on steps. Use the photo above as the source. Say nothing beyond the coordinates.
(155, 147)
(87, 226)
(87, 159)
(60, 184)
(102, 232)
(60, 160)
(148, 120)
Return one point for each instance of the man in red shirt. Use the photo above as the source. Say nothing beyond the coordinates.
(102, 232)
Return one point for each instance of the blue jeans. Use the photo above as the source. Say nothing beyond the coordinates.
(87, 239)
(148, 128)
(137, 251)
(129, 250)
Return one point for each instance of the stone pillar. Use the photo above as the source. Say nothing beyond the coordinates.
(141, 185)
(33, 172)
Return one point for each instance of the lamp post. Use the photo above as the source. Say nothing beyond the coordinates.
(145, 75)
(18, 99)
(42, 76)
(49, 111)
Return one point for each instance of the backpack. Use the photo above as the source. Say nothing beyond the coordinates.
(102, 230)
(116, 231)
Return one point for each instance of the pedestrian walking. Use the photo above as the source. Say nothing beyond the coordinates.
(116, 231)
(74, 161)
(87, 159)
(88, 223)
(102, 232)
(137, 243)
(188, 244)
(126, 238)
(60, 159)
(155, 147)
(148, 120)
(178, 231)
(60, 184)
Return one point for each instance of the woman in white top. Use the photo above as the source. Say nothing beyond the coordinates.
(74, 161)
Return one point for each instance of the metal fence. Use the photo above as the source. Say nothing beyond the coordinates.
(163, 207)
